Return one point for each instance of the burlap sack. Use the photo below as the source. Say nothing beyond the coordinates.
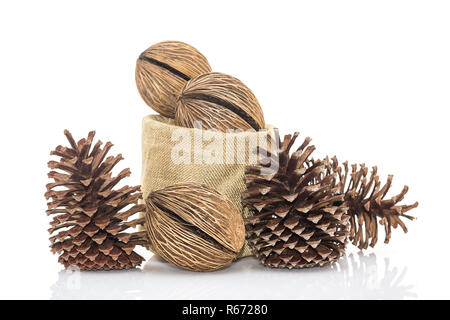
(173, 154)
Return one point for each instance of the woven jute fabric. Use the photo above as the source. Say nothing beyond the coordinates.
(173, 154)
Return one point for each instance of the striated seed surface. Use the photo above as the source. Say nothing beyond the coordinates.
(220, 102)
(194, 227)
(162, 71)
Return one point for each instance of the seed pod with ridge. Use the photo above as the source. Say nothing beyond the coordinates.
(218, 101)
(162, 71)
(194, 227)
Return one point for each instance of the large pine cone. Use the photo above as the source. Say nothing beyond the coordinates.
(89, 215)
(300, 218)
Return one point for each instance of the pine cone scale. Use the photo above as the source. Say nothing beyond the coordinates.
(298, 222)
(89, 210)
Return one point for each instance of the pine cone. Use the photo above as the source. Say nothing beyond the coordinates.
(364, 197)
(89, 215)
(300, 218)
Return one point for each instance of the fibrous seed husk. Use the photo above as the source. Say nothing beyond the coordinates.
(194, 227)
(162, 71)
(218, 101)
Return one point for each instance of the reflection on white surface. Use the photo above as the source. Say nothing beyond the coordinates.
(354, 277)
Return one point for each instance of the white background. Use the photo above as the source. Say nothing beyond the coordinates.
(369, 81)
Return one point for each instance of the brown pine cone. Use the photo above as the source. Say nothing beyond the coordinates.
(300, 218)
(365, 198)
(89, 215)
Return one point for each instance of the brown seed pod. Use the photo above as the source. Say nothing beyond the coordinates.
(194, 227)
(220, 102)
(162, 71)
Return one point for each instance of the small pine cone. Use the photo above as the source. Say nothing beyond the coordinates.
(365, 198)
(300, 220)
(89, 215)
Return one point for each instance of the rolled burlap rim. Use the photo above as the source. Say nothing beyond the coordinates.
(162, 139)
